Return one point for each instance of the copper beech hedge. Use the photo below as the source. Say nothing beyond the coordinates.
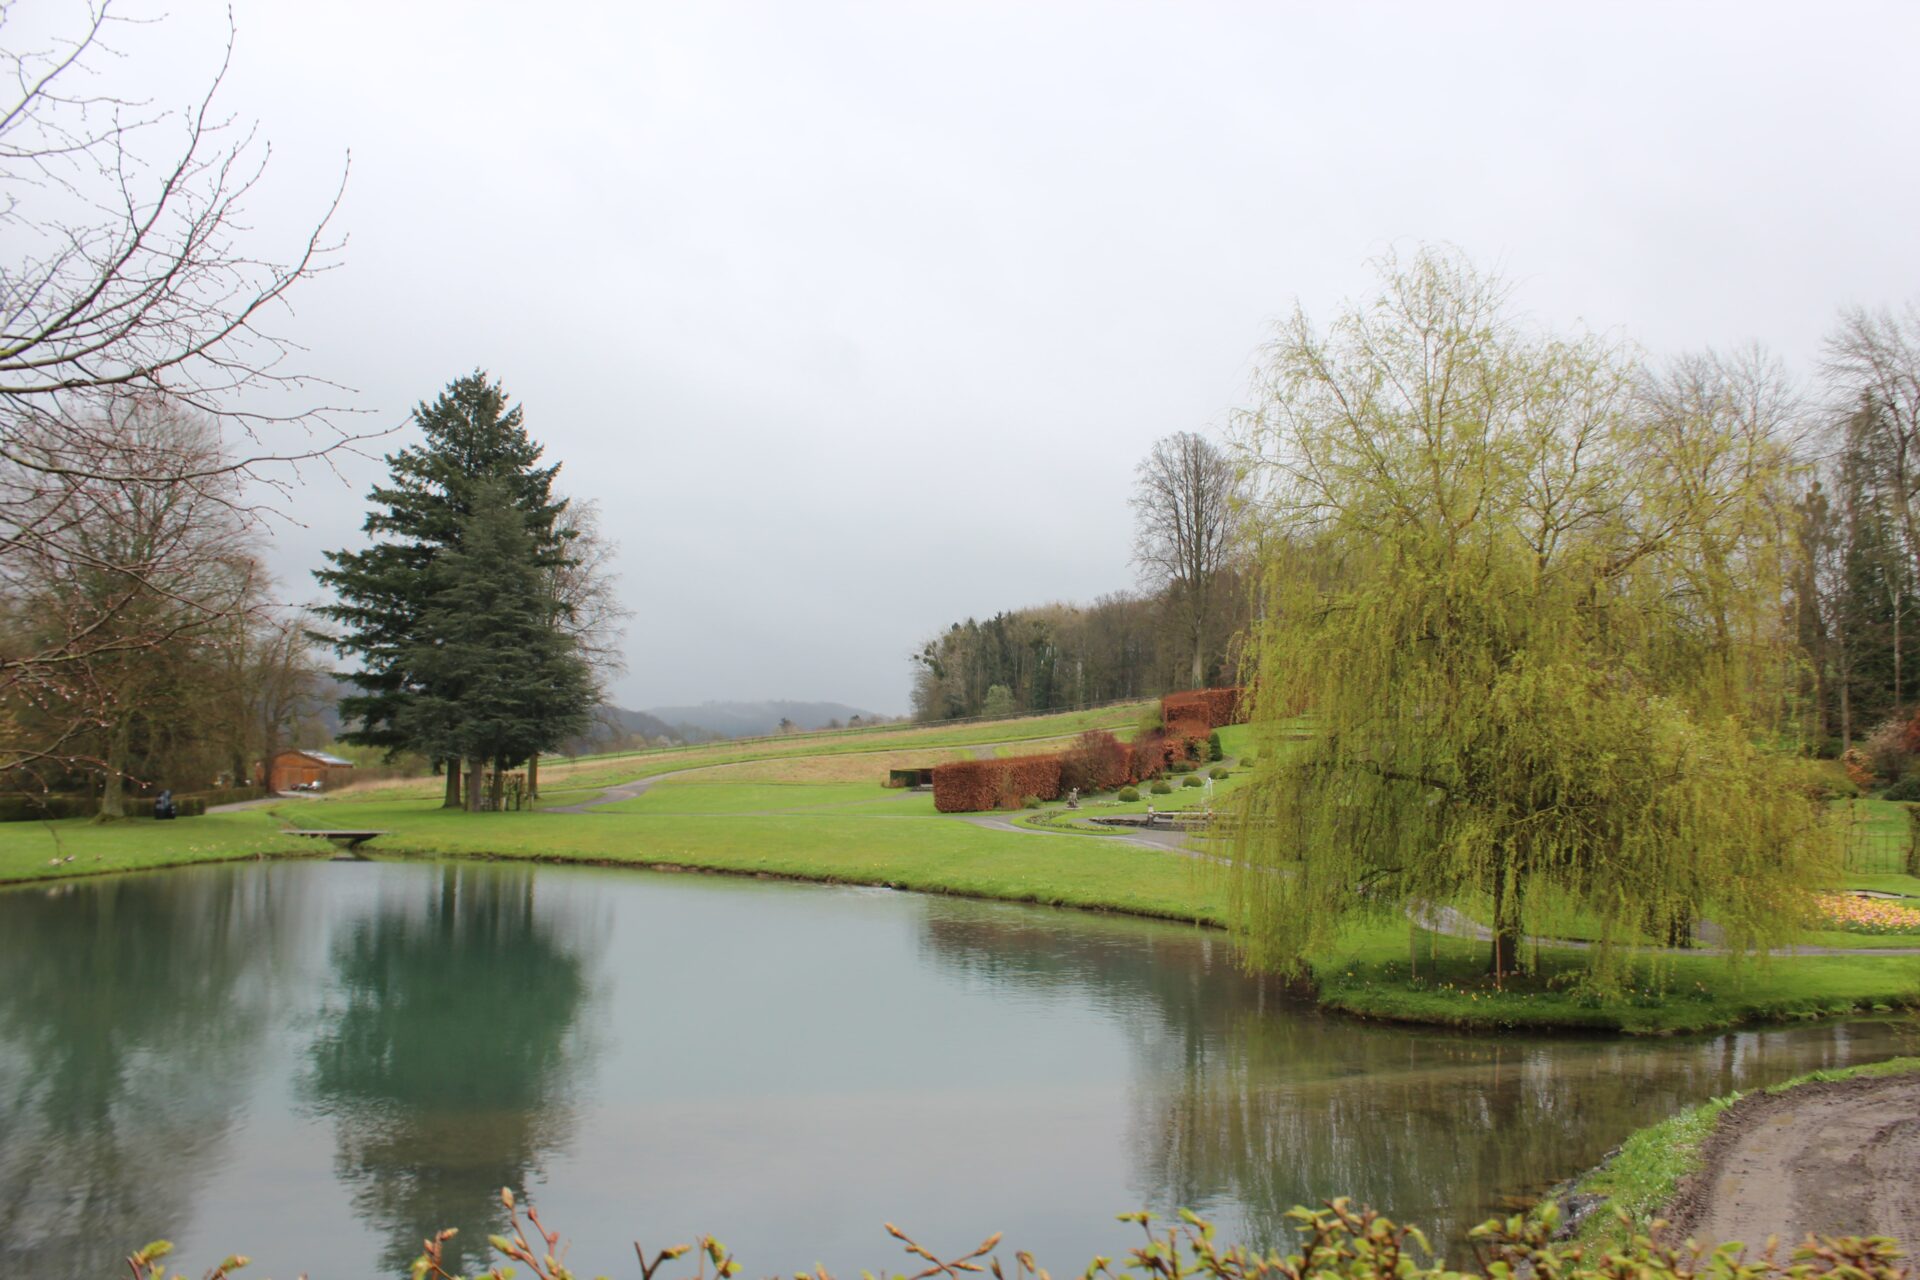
(1207, 708)
(1097, 762)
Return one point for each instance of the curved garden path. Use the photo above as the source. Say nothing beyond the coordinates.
(1452, 923)
(1836, 1158)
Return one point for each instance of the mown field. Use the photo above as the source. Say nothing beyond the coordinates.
(818, 811)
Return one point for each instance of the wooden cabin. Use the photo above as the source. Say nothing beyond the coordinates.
(293, 770)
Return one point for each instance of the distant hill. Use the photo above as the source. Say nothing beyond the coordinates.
(752, 719)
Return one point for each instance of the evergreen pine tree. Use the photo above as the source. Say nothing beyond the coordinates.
(472, 437)
(496, 679)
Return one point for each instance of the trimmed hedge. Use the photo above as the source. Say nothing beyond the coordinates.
(31, 807)
(968, 786)
(1208, 708)
(34, 807)
(1096, 762)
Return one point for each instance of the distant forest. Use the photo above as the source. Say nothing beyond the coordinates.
(1059, 656)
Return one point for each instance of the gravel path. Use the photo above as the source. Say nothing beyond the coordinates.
(1833, 1159)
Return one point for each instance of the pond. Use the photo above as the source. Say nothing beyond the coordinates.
(317, 1063)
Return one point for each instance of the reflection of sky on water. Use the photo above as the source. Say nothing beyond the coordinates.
(330, 1060)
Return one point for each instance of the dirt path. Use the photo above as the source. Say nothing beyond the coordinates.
(1834, 1159)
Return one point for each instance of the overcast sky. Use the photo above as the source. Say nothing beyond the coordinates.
(856, 318)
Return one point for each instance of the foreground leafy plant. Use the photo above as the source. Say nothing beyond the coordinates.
(1337, 1242)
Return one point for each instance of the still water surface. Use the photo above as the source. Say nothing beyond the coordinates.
(317, 1063)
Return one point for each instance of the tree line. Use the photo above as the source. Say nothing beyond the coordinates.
(1180, 630)
(1858, 528)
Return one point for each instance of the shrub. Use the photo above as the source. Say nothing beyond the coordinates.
(1180, 766)
(1097, 761)
(1888, 754)
(1907, 790)
(226, 795)
(1858, 767)
(32, 807)
(1219, 771)
(1192, 780)
(1214, 751)
(1030, 802)
(1161, 787)
(1248, 757)
(1129, 794)
(1209, 708)
(968, 786)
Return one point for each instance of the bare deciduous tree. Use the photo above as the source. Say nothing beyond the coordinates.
(1872, 368)
(145, 569)
(131, 290)
(1185, 501)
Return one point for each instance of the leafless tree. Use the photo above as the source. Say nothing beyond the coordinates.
(131, 290)
(590, 610)
(1872, 369)
(1185, 501)
(146, 570)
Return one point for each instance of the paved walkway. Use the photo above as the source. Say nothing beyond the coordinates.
(625, 791)
(1452, 923)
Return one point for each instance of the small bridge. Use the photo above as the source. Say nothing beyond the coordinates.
(347, 840)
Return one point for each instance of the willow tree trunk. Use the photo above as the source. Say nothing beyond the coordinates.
(476, 779)
(533, 776)
(498, 791)
(1507, 937)
(452, 800)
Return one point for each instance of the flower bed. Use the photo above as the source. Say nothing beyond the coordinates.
(1855, 914)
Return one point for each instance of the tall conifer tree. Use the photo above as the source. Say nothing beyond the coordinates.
(473, 437)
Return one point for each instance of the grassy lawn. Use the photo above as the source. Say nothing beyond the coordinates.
(878, 749)
(38, 850)
(1372, 973)
(935, 854)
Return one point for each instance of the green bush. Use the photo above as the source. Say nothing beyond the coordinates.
(1029, 802)
(1161, 787)
(226, 795)
(1907, 790)
(1219, 771)
(1248, 757)
(29, 807)
(1180, 766)
(1129, 794)
(1193, 780)
(1214, 751)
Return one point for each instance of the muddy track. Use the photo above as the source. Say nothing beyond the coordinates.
(1832, 1159)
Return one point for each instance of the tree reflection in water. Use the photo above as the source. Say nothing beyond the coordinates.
(1249, 1102)
(131, 1012)
(447, 1046)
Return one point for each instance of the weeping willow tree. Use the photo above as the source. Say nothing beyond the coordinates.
(1528, 596)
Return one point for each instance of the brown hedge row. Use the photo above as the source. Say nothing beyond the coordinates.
(1097, 762)
(1209, 708)
(968, 786)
